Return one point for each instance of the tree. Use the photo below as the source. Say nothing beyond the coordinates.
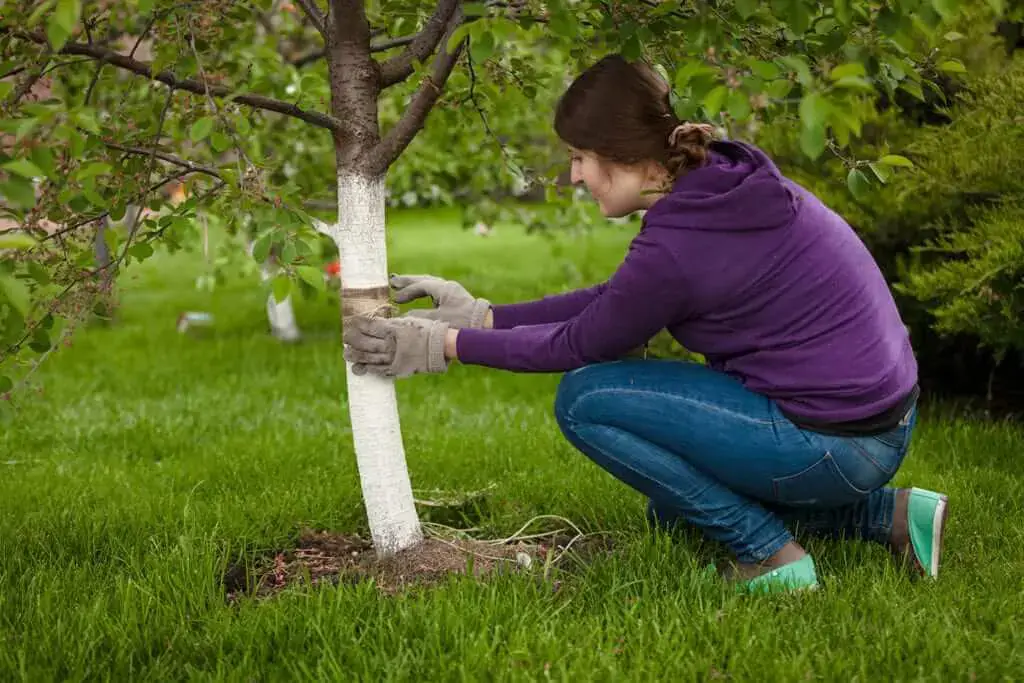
(240, 100)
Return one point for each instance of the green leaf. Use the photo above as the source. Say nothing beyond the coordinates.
(746, 8)
(458, 35)
(799, 65)
(261, 247)
(96, 168)
(219, 141)
(714, 100)
(691, 70)
(42, 156)
(954, 66)
(24, 168)
(561, 23)
(289, 252)
(38, 13)
(880, 171)
(19, 192)
(312, 276)
(765, 70)
(16, 240)
(855, 83)
(40, 341)
(946, 8)
(16, 293)
(62, 22)
(481, 47)
(738, 105)
(146, 6)
(141, 250)
(848, 69)
(813, 140)
(38, 273)
(858, 183)
(896, 160)
(824, 26)
(5, 384)
(282, 288)
(913, 88)
(814, 110)
(841, 8)
(201, 128)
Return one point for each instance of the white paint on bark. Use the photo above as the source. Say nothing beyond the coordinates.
(280, 315)
(373, 410)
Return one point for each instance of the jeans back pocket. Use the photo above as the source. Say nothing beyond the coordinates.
(823, 484)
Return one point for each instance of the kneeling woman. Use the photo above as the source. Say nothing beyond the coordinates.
(805, 409)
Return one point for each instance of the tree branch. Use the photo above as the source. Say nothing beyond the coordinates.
(399, 137)
(316, 55)
(315, 14)
(166, 77)
(163, 156)
(397, 69)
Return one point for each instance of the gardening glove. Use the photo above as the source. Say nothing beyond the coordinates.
(395, 347)
(452, 303)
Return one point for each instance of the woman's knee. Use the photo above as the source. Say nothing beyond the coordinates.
(575, 385)
(571, 387)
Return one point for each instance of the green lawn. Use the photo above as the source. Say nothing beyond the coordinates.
(151, 461)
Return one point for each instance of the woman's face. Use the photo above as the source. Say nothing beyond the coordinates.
(618, 189)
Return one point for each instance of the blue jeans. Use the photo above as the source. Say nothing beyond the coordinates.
(708, 451)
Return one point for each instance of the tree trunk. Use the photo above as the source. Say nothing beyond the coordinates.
(359, 235)
(373, 410)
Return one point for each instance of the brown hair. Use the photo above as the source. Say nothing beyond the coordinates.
(620, 111)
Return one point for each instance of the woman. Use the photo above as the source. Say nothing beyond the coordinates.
(807, 403)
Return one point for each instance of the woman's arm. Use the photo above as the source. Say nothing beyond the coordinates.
(549, 309)
(643, 297)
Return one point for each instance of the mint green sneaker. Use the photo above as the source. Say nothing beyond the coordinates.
(795, 576)
(926, 522)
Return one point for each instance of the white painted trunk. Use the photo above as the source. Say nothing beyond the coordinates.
(280, 315)
(373, 410)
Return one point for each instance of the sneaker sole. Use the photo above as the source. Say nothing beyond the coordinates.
(938, 534)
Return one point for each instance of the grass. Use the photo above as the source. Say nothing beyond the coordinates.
(151, 461)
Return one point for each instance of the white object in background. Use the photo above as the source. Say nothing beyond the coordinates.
(190, 319)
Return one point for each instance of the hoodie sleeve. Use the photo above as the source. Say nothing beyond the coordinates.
(641, 298)
(549, 309)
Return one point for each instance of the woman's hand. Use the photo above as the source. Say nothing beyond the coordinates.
(452, 303)
(396, 347)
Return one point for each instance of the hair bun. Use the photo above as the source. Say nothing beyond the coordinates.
(691, 135)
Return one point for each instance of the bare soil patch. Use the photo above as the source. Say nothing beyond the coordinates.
(323, 557)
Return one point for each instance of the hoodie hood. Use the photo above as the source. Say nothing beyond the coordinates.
(738, 188)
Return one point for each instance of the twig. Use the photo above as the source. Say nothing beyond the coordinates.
(483, 118)
(166, 77)
(149, 171)
(382, 46)
(169, 158)
(216, 109)
(315, 14)
(399, 68)
(402, 133)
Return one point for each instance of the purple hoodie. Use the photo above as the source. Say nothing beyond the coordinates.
(745, 267)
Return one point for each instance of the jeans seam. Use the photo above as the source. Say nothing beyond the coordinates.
(627, 465)
(863, 451)
(775, 544)
(708, 406)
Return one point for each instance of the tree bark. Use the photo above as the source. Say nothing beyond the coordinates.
(360, 238)
(373, 410)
